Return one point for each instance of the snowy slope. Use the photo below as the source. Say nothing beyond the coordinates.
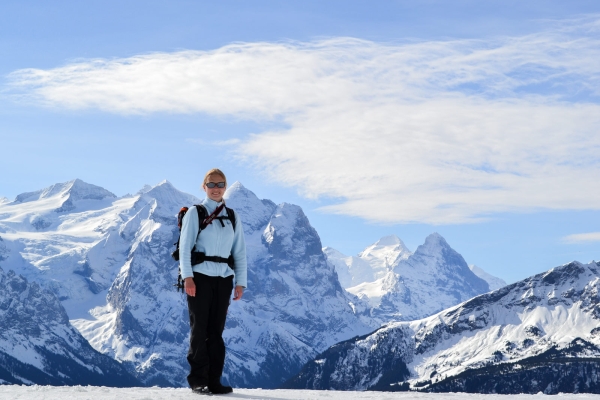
(493, 281)
(61, 237)
(341, 263)
(38, 345)
(539, 334)
(108, 261)
(384, 254)
(373, 263)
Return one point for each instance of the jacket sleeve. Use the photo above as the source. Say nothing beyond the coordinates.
(187, 241)
(239, 254)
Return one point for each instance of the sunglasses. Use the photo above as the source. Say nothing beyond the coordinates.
(212, 185)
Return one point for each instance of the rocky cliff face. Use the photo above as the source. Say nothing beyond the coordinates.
(38, 345)
(294, 306)
(539, 334)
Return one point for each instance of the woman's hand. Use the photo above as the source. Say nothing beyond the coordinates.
(238, 292)
(190, 286)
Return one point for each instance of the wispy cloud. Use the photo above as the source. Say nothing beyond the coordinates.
(204, 142)
(438, 132)
(229, 142)
(582, 237)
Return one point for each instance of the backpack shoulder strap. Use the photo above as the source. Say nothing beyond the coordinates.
(231, 216)
(202, 214)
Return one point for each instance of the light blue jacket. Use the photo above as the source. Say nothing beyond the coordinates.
(214, 240)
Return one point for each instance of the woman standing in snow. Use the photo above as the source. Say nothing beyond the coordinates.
(209, 280)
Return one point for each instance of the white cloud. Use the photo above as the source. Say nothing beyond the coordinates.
(582, 237)
(225, 143)
(438, 132)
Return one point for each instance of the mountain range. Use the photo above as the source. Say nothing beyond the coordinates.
(106, 260)
(399, 285)
(541, 334)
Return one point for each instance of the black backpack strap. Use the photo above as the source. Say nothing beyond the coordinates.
(202, 214)
(231, 216)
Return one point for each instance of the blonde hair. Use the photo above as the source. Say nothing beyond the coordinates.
(214, 171)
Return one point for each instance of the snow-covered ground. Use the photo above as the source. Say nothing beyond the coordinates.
(104, 393)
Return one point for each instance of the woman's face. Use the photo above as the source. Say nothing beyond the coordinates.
(215, 193)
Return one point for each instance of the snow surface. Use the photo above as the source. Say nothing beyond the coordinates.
(493, 281)
(36, 392)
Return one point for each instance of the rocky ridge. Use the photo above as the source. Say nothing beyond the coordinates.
(38, 345)
(539, 334)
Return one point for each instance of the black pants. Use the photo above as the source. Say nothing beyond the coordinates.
(208, 311)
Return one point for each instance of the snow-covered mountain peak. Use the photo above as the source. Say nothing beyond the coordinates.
(163, 186)
(437, 260)
(237, 186)
(384, 253)
(254, 212)
(390, 240)
(237, 192)
(3, 200)
(80, 190)
(373, 263)
(400, 285)
(286, 214)
(163, 191)
(286, 222)
(493, 281)
(331, 252)
(166, 200)
(51, 208)
(74, 190)
(434, 241)
(435, 253)
(431, 279)
(145, 189)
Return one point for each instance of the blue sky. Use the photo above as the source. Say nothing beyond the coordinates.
(478, 120)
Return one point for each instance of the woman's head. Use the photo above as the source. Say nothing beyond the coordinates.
(215, 178)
